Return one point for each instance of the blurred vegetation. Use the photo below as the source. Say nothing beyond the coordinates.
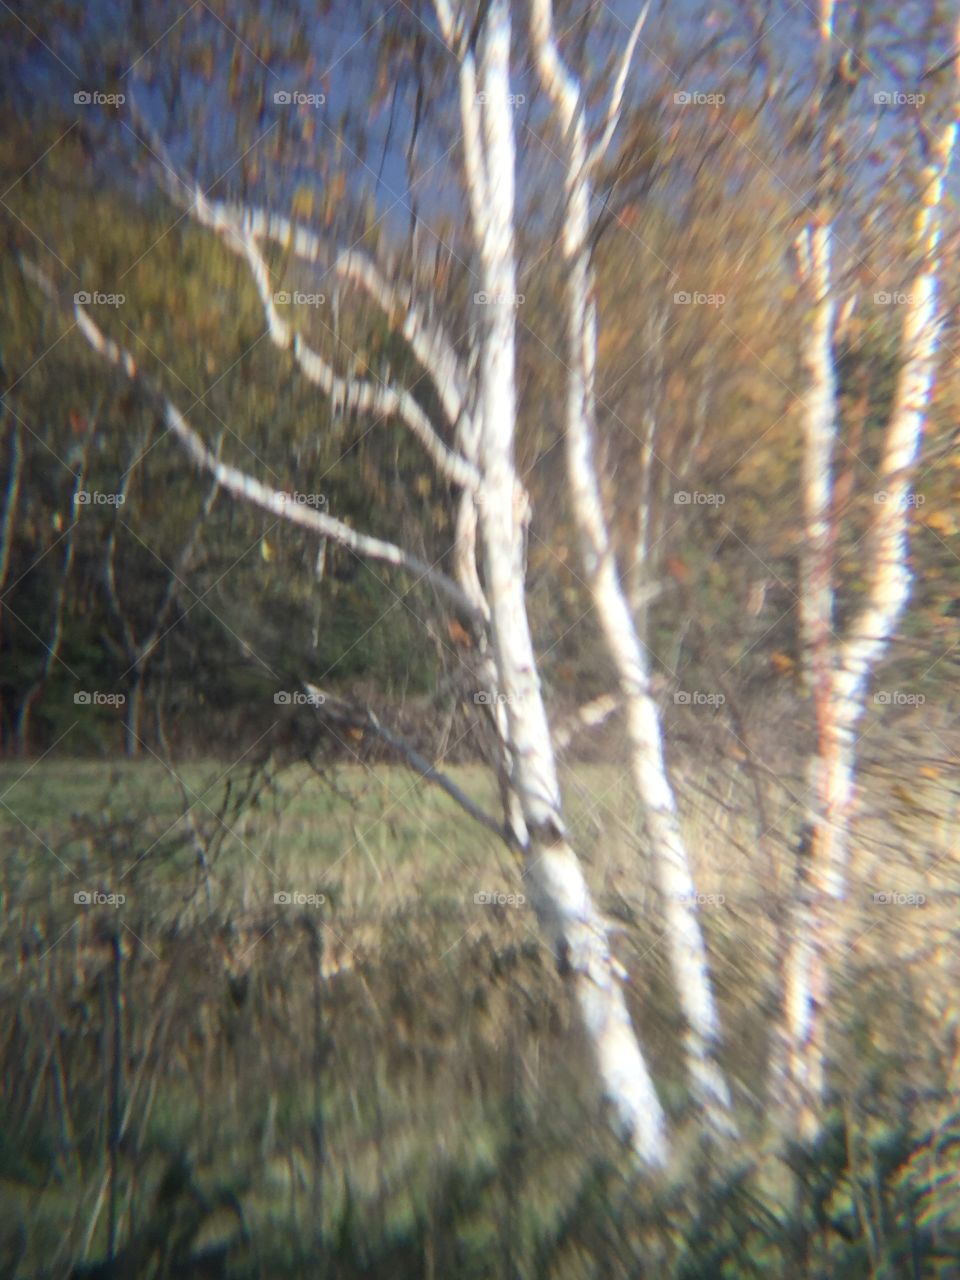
(205, 1082)
(387, 1083)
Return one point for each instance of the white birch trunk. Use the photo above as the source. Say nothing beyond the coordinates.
(559, 892)
(840, 670)
(684, 938)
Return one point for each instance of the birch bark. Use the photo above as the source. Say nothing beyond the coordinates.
(840, 667)
(684, 937)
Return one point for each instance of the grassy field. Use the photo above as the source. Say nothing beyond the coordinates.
(378, 1074)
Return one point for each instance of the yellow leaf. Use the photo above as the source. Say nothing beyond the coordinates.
(940, 522)
(303, 203)
(266, 551)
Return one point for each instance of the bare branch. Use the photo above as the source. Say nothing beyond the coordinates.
(591, 714)
(13, 496)
(241, 229)
(428, 342)
(615, 106)
(364, 718)
(245, 486)
(345, 393)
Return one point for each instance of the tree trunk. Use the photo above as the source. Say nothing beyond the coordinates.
(559, 892)
(684, 938)
(133, 718)
(840, 670)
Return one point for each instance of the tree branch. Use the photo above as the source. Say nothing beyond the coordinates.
(346, 393)
(599, 149)
(241, 229)
(364, 718)
(245, 486)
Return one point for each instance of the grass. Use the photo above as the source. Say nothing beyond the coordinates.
(389, 1082)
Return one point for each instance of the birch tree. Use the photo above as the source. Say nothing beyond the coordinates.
(472, 446)
(683, 934)
(841, 664)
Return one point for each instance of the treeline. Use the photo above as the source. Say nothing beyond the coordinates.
(139, 604)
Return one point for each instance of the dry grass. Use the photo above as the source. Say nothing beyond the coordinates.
(394, 1070)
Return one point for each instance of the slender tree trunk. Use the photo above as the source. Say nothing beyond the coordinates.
(684, 938)
(133, 717)
(52, 647)
(840, 670)
(558, 890)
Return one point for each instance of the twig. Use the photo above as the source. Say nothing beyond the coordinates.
(364, 718)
